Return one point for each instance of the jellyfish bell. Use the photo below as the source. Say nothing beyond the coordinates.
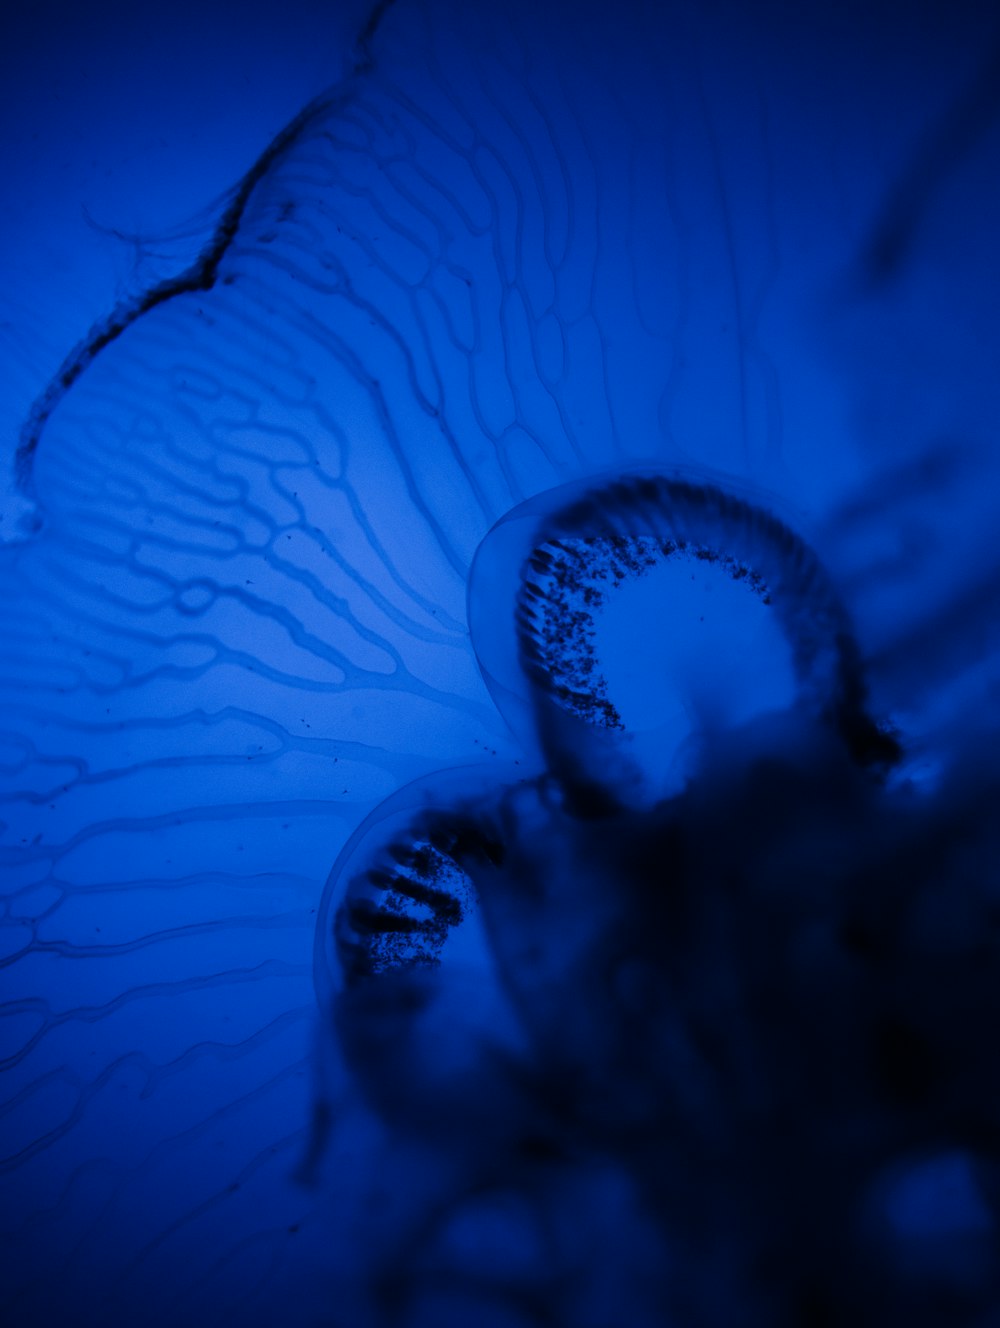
(622, 626)
(403, 965)
(467, 953)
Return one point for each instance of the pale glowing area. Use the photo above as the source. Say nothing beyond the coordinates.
(688, 648)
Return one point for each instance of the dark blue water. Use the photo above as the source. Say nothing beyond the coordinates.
(499, 699)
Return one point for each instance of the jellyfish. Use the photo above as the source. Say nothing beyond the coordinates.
(751, 994)
(742, 259)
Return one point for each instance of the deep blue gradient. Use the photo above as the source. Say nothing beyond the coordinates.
(709, 1040)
